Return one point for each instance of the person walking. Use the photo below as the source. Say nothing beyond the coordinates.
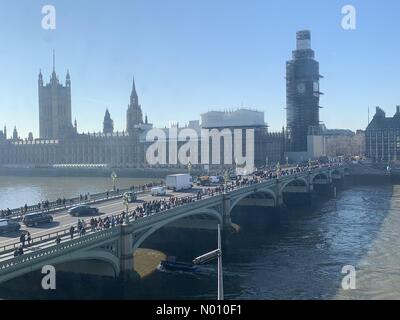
(71, 231)
(58, 240)
(22, 239)
(29, 238)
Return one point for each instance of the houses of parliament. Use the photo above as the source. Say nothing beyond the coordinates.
(61, 143)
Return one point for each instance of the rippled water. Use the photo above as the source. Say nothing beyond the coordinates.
(301, 258)
(16, 191)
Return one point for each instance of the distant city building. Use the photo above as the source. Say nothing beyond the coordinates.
(383, 137)
(54, 107)
(302, 94)
(268, 147)
(344, 142)
(233, 119)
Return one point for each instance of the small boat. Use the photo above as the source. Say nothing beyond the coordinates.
(172, 265)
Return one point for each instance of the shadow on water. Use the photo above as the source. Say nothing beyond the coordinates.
(297, 253)
(302, 256)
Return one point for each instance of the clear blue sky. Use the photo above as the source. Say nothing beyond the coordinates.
(190, 56)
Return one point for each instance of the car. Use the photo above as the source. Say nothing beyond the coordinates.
(158, 191)
(130, 196)
(8, 226)
(83, 210)
(36, 218)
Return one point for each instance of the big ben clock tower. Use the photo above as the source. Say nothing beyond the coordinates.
(302, 93)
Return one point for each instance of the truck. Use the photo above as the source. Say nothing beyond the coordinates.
(179, 182)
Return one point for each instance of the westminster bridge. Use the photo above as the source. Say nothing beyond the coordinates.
(109, 252)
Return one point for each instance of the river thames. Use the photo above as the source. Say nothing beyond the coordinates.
(301, 257)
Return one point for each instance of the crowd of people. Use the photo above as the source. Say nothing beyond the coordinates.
(46, 205)
(25, 241)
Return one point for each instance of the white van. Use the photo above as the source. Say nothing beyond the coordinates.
(158, 191)
(130, 196)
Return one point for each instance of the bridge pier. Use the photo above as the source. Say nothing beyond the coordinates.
(279, 194)
(226, 212)
(126, 251)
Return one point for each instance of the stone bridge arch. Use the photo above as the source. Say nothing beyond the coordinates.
(81, 258)
(294, 182)
(20, 267)
(324, 175)
(260, 192)
(202, 211)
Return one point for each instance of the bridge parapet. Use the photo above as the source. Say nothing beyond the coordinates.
(144, 222)
(56, 252)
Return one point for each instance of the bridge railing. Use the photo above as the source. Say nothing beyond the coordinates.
(146, 219)
(52, 236)
(59, 249)
(56, 205)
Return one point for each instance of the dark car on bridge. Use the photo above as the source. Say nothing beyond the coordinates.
(82, 211)
(8, 226)
(34, 219)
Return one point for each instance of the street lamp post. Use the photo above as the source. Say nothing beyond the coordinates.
(189, 167)
(210, 256)
(126, 204)
(220, 276)
(114, 179)
(226, 178)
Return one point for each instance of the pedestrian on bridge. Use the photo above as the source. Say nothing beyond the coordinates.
(71, 231)
(58, 240)
(28, 238)
(93, 224)
(22, 239)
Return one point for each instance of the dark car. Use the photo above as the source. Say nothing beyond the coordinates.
(34, 219)
(83, 210)
(8, 226)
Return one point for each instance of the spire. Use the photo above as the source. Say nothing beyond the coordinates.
(53, 75)
(54, 61)
(68, 79)
(134, 96)
(40, 80)
(108, 123)
(15, 133)
(133, 85)
(134, 112)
